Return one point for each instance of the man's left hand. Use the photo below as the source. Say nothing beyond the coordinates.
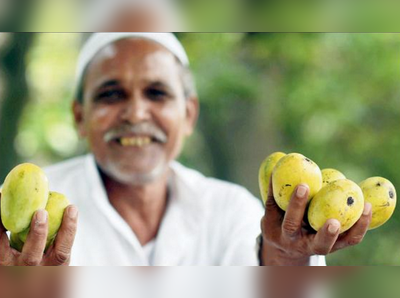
(287, 242)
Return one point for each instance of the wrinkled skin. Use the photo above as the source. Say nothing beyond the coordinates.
(129, 83)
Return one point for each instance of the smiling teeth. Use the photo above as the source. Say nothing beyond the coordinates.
(135, 141)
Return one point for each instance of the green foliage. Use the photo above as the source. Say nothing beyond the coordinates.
(46, 132)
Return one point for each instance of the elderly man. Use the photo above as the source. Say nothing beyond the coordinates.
(136, 105)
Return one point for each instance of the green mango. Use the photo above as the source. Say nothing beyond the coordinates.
(56, 205)
(25, 190)
(265, 172)
(15, 242)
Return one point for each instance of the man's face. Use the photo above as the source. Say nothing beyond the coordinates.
(135, 114)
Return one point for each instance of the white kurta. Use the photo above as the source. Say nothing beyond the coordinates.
(207, 221)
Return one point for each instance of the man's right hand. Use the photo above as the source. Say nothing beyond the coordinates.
(59, 252)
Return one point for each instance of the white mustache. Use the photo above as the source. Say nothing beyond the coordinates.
(146, 128)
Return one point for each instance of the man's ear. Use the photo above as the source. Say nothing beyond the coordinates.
(78, 111)
(192, 114)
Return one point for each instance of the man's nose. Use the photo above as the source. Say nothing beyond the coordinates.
(136, 110)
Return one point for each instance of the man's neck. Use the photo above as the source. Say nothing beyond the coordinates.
(142, 207)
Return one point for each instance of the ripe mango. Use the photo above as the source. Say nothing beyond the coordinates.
(264, 174)
(381, 193)
(330, 175)
(290, 171)
(25, 191)
(56, 206)
(342, 200)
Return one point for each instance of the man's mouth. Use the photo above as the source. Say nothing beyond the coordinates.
(134, 141)
(139, 135)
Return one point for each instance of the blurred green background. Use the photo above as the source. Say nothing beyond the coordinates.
(216, 16)
(333, 97)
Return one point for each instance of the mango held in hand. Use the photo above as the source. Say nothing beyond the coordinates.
(25, 190)
(290, 171)
(381, 193)
(342, 200)
(330, 175)
(15, 242)
(264, 174)
(56, 206)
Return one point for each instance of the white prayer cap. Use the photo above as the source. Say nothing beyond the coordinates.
(98, 41)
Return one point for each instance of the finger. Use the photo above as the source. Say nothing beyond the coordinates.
(292, 222)
(270, 189)
(61, 252)
(5, 249)
(6, 254)
(2, 228)
(273, 214)
(326, 238)
(32, 253)
(356, 234)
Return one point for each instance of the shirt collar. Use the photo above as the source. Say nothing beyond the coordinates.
(181, 222)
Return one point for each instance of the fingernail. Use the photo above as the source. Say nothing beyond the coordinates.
(367, 208)
(41, 217)
(333, 228)
(72, 212)
(301, 191)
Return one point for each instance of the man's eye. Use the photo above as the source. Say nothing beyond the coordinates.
(110, 96)
(156, 94)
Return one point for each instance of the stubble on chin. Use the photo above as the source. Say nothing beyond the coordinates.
(117, 172)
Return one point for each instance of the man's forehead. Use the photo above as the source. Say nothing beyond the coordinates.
(99, 41)
(125, 60)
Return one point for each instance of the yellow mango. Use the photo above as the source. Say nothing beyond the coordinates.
(25, 191)
(342, 200)
(330, 175)
(381, 193)
(264, 174)
(290, 171)
(56, 206)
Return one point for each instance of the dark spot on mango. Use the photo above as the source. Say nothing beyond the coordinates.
(21, 174)
(391, 194)
(307, 159)
(287, 185)
(350, 201)
(378, 184)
